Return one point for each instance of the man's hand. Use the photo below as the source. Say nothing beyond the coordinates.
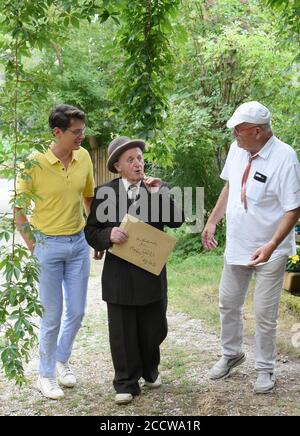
(208, 240)
(118, 236)
(152, 184)
(262, 254)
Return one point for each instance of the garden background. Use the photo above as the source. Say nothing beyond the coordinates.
(171, 72)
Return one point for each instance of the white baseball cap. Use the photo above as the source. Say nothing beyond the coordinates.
(250, 112)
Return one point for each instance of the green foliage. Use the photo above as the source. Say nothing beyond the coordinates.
(193, 158)
(233, 54)
(89, 84)
(290, 14)
(19, 307)
(146, 73)
(25, 26)
(293, 262)
(189, 244)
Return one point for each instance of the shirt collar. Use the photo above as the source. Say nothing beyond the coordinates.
(75, 155)
(50, 156)
(266, 150)
(52, 159)
(127, 184)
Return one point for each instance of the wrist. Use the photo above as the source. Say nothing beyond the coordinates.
(31, 245)
(211, 222)
(273, 243)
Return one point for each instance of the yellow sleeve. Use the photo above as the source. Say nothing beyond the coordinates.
(90, 184)
(24, 184)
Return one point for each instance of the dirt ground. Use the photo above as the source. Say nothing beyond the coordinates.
(187, 353)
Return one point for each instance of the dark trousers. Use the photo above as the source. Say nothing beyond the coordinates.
(135, 334)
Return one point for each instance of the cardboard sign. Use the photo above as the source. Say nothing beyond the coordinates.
(146, 247)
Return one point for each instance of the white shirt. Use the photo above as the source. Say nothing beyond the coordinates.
(248, 230)
(127, 184)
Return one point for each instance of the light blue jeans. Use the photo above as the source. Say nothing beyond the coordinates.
(63, 280)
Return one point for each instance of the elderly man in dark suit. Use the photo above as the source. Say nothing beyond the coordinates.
(136, 299)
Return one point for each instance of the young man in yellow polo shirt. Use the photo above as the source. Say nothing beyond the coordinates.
(63, 183)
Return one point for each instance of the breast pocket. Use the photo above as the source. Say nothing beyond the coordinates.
(256, 190)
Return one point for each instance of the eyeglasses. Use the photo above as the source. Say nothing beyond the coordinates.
(237, 130)
(78, 132)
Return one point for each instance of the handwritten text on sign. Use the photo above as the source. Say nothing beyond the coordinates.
(145, 250)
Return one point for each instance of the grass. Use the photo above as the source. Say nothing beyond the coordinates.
(292, 302)
(175, 363)
(193, 289)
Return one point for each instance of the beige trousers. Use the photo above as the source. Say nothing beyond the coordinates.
(233, 288)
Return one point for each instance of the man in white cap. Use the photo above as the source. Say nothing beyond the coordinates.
(261, 199)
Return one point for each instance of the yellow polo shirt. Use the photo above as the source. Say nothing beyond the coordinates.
(58, 208)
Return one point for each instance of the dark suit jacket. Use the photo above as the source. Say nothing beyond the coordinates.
(122, 282)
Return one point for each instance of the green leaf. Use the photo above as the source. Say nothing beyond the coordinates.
(75, 22)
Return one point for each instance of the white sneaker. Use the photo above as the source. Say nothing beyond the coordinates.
(223, 367)
(123, 398)
(154, 385)
(66, 376)
(49, 388)
(265, 382)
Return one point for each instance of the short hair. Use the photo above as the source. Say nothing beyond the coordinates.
(266, 127)
(61, 116)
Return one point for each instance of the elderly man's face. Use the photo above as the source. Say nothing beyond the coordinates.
(246, 135)
(130, 165)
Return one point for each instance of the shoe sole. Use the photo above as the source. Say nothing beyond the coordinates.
(266, 391)
(47, 396)
(65, 385)
(149, 386)
(120, 402)
(227, 374)
(152, 387)
(123, 402)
